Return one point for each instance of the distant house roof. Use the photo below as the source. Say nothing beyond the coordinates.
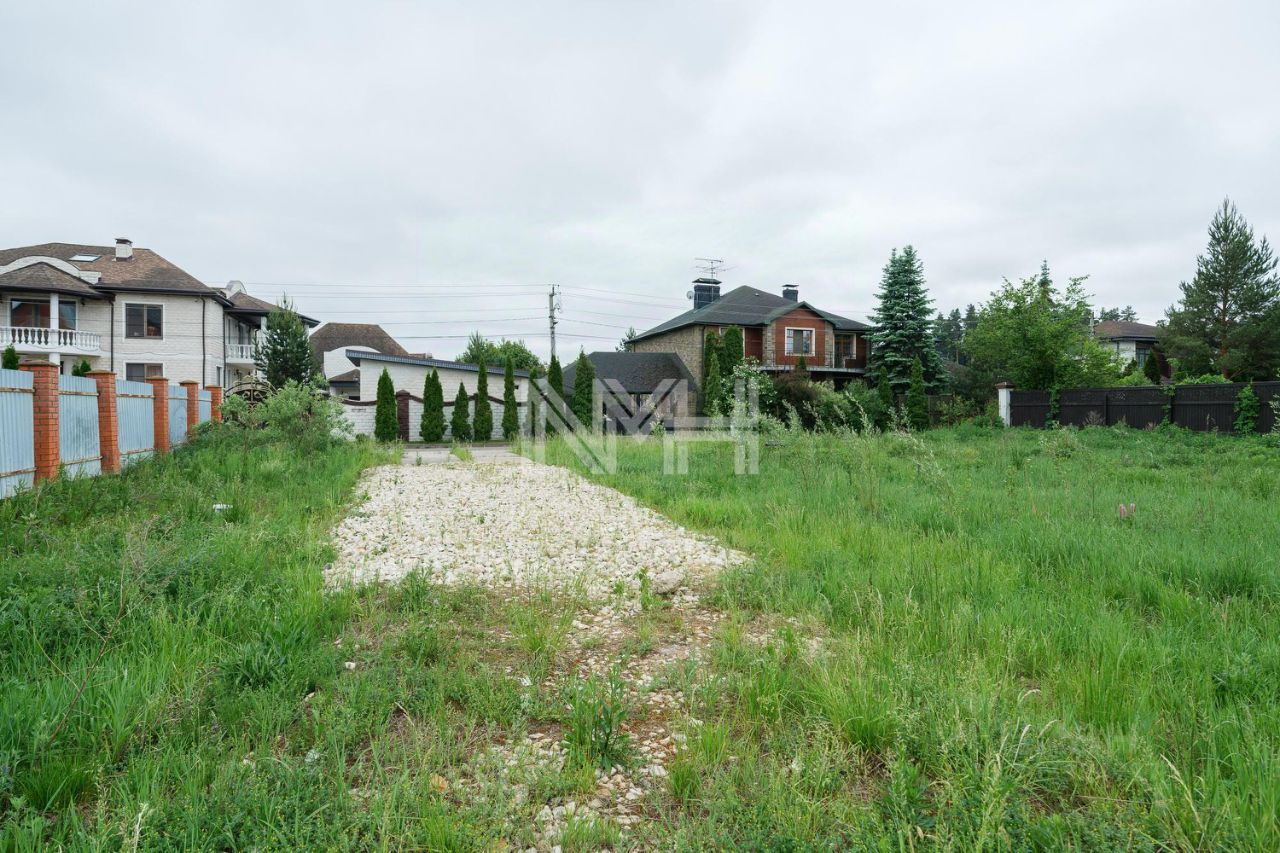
(638, 372)
(1120, 329)
(334, 336)
(358, 356)
(46, 278)
(243, 303)
(145, 271)
(343, 378)
(747, 306)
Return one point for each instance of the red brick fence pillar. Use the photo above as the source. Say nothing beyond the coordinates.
(44, 409)
(108, 420)
(160, 413)
(215, 400)
(193, 405)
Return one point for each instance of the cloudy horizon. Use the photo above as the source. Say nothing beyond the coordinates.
(432, 168)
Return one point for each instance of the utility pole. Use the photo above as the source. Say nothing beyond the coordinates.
(553, 303)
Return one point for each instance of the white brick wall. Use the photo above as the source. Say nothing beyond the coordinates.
(411, 378)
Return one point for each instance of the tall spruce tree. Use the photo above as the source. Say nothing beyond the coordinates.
(283, 352)
(386, 424)
(510, 408)
(460, 422)
(1228, 320)
(482, 422)
(584, 380)
(432, 426)
(904, 324)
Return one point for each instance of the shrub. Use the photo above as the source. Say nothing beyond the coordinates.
(510, 408)
(10, 359)
(917, 405)
(796, 398)
(1247, 409)
(482, 420)
(888, 399)
(867, 407)
(432, 426)
(386, 426)
(301, 416)
(1151, 367)
(460, 423)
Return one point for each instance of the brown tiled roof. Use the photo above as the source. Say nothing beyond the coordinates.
(144, 271)
(332, 336)
(1112, 329)
(246, 304)
(746, 306)
(349, 376)
(45, 279)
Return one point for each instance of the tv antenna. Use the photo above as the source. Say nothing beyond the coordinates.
(709, 267)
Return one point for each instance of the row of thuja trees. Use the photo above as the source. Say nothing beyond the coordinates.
(464, 424)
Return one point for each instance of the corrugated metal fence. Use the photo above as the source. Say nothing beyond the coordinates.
(1198, 407)
(135, 416)
(17, 436)
(78, 426)
(206, 406)
(177, 415)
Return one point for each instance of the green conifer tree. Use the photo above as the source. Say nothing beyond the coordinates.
(904, 324)
(283, 352)
(510, 409)
(460, 422)
(887, 397)
(10, 360)
(584, 378)
(482, 423)
(1151, 367)
(713, 390)
(731, 352)
(917, 404)
(432, 427)
(386, 425)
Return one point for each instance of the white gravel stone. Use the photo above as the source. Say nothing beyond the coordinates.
(502, 525)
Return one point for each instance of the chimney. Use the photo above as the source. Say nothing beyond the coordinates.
(791, 292)
(705, 291)
(124, 249)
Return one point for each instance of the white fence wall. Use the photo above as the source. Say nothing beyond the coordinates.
(17, 435)
(78, 445)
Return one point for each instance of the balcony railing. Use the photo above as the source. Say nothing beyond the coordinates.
(239, 352)
(38, 339)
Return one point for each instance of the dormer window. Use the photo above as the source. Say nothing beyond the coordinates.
(84, 258)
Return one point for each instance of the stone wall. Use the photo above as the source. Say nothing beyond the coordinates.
(686, 343)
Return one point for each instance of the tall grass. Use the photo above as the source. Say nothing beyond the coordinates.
(1005, 661)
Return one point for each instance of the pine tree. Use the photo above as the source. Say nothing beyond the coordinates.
(1228, 320)
(283, 352)
(432, 427)
(10, 360)
(386, 425)
(917, 405)
(730, 350)
(713, 390)
(583, 403)
(904, 321)
(555, 380)
(460, 423)
(482, 423)
(510, 408)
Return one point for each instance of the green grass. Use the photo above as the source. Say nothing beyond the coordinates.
(1001, 660)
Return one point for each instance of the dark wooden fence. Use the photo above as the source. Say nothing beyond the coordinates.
(1198, 407)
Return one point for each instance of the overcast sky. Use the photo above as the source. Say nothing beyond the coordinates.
(432, 167)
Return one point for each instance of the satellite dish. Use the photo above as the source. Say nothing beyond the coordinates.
(689, 295)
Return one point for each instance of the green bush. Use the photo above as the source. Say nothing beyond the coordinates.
(10, 358)
(386, 425)
(432, 427)
(460, 422)
(1247, 409)
(482, 420)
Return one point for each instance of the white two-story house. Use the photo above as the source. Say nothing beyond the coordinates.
(127, 310)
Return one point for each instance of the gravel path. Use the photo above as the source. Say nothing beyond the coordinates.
(513, 525)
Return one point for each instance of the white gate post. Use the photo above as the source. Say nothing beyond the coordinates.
(1004, 397)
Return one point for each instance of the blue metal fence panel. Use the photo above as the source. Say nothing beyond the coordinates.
(206, 407)
(177, 415)
(17, 432)
(136, 416)
(78, 426)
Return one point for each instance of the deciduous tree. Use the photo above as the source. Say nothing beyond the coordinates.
(480, 349)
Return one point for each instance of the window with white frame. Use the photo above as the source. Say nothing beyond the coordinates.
(138, 372)
(798, 341)
(143, 321)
